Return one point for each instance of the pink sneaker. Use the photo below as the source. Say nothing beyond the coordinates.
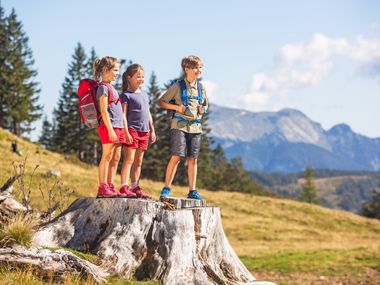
(112, 188)
(126, 192)
(140, 194)
(105, 192)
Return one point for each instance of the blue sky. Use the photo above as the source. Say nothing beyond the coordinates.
(320, 57)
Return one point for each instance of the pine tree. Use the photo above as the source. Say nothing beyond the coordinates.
(158, 153)
(371, 209)
(218, 170)
(19, 103)
(308, 193)
(4, 72)
(205, 174)
(69, 136)
(46, 133)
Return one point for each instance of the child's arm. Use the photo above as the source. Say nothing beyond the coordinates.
(128, 137)
(204, 107)
(168, 96)
(151, 128)
(178, 108)
(103, 102)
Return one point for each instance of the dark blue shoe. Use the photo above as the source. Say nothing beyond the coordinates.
(165, 193)
(193, 194)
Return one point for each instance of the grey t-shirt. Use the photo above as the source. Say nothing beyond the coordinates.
(137, 110)
(115, 111)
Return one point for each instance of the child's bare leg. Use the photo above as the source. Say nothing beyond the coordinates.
(136, 166)
(129, 155)
(112, 169)
(192, 168)
(107, 152)
(171, 170)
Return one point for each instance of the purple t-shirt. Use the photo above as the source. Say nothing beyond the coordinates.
(137, 110)
(115, 111)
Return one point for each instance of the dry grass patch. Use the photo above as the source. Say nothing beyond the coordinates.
(19, 230)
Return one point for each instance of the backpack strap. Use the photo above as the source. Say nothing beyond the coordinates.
(110, 95)
(110, 98)
(200, 94)
(185, 98)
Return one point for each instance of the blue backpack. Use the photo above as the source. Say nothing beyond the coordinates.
(185, 102)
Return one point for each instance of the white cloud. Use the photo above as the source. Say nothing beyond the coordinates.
(211, 89)
(375, 26)
(300, 65)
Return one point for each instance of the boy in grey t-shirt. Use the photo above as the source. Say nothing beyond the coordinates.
(186, 128)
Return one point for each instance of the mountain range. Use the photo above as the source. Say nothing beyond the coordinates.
(288, 141)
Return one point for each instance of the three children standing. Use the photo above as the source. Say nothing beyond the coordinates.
(127, 123)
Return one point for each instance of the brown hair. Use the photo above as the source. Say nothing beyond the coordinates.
(191, 61)
(107, 62)
(131, 70)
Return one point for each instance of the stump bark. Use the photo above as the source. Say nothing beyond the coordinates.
(47, 262)
(142, 239)
(9, 207)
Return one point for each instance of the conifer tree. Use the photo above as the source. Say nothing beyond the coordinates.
(371, 209)
(4, 72)
(205, 173)
(19, 92)
(69, 136)
(158, 153)
(308, 193)
(46, 133)
(218, 170)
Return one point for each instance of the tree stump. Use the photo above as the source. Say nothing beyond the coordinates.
(141, 239)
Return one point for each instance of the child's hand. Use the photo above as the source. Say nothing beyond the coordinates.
(128, 138)
(201, 110)
(181, 109)
(153, 137)
(112, 135)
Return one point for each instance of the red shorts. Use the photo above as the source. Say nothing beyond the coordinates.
(104, 138)
(140, 139)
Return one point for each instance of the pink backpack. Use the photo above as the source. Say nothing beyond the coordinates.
(88, 104)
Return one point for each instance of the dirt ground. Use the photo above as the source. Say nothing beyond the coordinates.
(371, 277)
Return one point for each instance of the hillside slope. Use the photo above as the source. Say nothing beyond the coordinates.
(277, 239)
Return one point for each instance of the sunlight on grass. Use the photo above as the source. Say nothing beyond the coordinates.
(18, 231)
(270, 234)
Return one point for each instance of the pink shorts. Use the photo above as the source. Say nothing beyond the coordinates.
(140, 139)
(104, 138)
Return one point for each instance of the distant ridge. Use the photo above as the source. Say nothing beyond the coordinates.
(288, 141)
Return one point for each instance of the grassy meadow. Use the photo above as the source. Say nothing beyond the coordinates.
(280, 240)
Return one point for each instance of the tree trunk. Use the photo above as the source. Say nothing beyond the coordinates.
(143, 240)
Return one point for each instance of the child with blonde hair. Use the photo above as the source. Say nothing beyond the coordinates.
(111, 128)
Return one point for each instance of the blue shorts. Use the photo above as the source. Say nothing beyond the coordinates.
(185, 144)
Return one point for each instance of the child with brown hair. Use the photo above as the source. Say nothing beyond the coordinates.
(190, 103)
(135, 104)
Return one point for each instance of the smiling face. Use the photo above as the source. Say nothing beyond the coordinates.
(110, 75)
(193, 73)
(136, 80)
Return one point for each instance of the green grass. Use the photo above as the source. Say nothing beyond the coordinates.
(83, 255)
(321, 262)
